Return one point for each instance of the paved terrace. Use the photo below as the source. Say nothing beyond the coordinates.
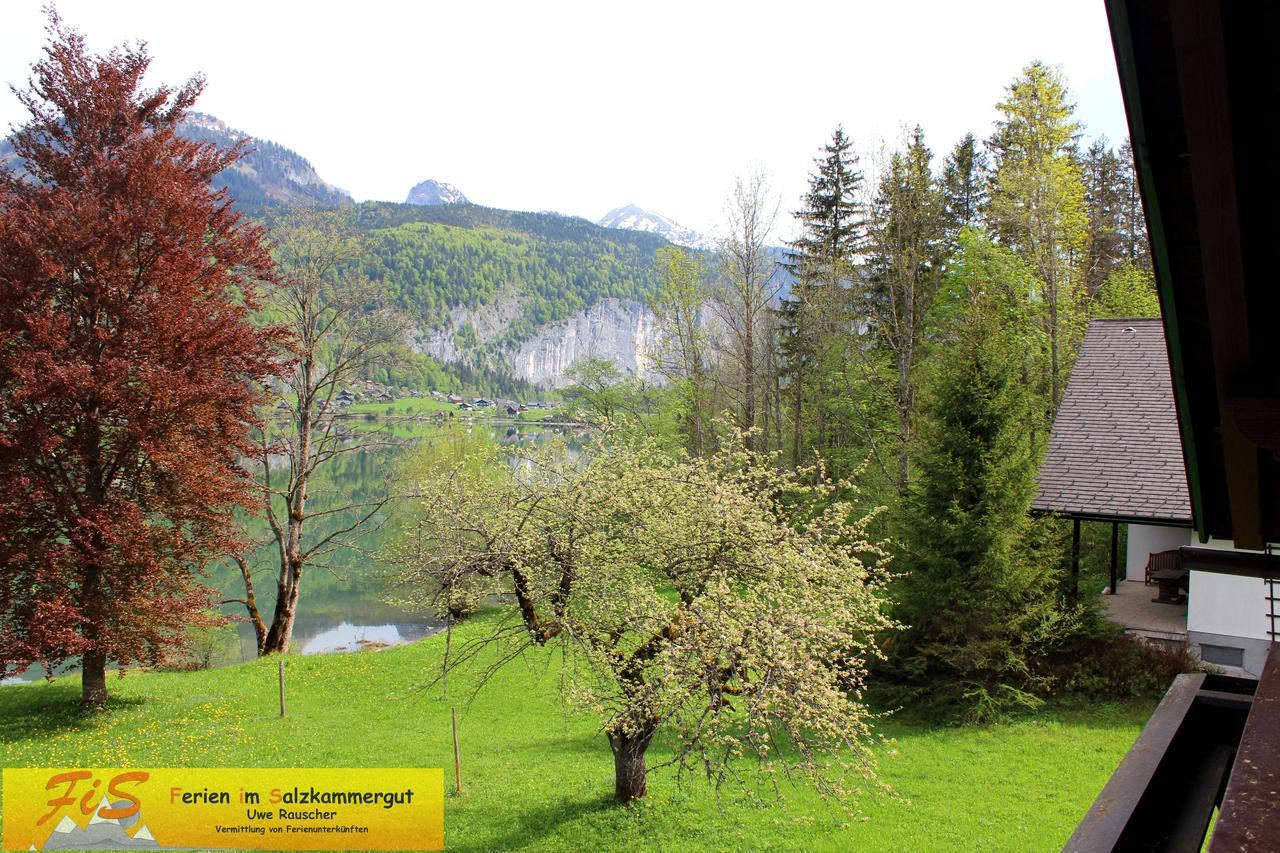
(1132, 608)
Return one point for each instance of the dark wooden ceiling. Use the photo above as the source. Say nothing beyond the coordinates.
(1202, 92)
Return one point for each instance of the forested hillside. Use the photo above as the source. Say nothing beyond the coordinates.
(435, 258)
(269, 174)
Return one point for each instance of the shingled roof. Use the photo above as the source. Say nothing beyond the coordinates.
(1115, 452)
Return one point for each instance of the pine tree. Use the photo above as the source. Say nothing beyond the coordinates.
(823, 262)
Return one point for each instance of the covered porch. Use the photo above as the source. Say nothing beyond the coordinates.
(1132, 608)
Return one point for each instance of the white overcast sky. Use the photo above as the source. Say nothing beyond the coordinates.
(581, 107)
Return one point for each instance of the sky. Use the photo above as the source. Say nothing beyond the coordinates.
(583, 107)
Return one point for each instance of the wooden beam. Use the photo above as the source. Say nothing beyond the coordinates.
(1115, 555)
(1075, 558)
(1109, 818)
(1249, 819)
(1202, 77)
(1257, 418)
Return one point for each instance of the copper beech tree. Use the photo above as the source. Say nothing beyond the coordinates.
(129, 368)
(716, 599)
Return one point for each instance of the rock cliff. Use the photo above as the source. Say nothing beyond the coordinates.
(623, 331)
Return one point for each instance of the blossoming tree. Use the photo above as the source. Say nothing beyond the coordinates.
(717, 599)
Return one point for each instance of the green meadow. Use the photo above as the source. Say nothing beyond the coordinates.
(538, 776)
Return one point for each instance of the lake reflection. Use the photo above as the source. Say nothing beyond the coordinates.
(353, 638)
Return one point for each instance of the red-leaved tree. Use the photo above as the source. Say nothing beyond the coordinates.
(129, 368)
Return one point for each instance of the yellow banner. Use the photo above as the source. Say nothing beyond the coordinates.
(280, 809)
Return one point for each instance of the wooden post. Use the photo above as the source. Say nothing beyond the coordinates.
(457, 756)
(1075, 558)
(1115, 554)
(281, 685)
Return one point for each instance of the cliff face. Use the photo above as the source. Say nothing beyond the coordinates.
(623, 331)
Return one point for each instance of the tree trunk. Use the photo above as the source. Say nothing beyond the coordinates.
(904, 425)
(93, 679)
(281, 631)
(630, 780)
(749, 367)
(797, 401)
(93, 663)
(251, 603)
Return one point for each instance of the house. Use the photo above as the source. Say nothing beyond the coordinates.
(1115, 455)
(454, 398)
(1198, 78)
(482, 403)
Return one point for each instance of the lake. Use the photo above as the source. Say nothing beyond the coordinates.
(343, 602)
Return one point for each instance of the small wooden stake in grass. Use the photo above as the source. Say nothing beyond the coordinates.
(457, 756)
(282, 687)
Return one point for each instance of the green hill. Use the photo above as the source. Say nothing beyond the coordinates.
(436, 258)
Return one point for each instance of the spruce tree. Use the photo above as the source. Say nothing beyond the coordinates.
(964, 186)
(833, 218)
(977, 608)
(1133, 224)
(1104, 187)
(822, 261)
(904, 274)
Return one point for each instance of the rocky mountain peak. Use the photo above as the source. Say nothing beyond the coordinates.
(431, 192)
(631, 217)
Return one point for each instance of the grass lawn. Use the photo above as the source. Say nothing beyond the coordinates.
(538, 777)
(405, 406)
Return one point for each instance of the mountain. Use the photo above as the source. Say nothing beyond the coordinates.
(269, 174)
(431, 192)
(513, 293)
(632, 218)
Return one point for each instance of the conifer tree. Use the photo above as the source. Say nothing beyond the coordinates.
(822, 260)
(1104, 186)
(1037, 205)
(977, 609)
(904, 273)
(964, 186)
(1133, 224)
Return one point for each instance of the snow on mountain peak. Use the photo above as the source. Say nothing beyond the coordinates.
(633, 218)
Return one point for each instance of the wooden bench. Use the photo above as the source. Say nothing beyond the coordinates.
(1162, 561)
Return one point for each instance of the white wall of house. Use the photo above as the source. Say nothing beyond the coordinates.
(1228, 604)
(1148, 539)
(1226, 614)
